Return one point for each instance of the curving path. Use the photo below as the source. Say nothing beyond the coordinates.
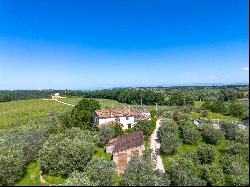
(155, 146)
(60, 102)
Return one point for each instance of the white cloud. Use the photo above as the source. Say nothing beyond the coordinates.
(245, 68)
(213, 77)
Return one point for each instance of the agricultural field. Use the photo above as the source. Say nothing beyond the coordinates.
(21, 112)
(15, 112)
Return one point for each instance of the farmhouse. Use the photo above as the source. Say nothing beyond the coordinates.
(125, 116)
(124, 147)
(57, 96)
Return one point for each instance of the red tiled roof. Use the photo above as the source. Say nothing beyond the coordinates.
(109, 113)
(128, 141)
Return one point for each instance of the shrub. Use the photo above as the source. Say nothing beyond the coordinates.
(66, 152)
(230, 129)
(167, 114)
(211, 135)
(237, 148)
(105, 133)
(218, 107)
(118, 130)
(234, 133)
(213, 174)
(79, 179)
(236, 109)
(233, 164)
(183, 172)
(204, 113)
(140, 172)
(190, 135)
(169, 137)
(101, 171)
(11, 166)
(82, 114)
(28, 142)
(145, 127)
(170, 144)
(206, 154)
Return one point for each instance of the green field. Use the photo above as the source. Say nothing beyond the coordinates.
(15, 112)
(21, 112)
(212, 115)
(25, 110)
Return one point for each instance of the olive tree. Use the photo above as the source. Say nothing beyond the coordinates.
(105, 133)
(184, 172)
(140, 172)
(168, 136)
(212, 174)
(79, 179)
(82, 114)
(98, 172)
(144, 126)
(101, 171)
(236, 109)
(65, 152)
(11, 166)
(29, 142)
(190, 135)
(211, 135)
(206, 154)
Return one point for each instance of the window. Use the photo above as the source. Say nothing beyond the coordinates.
(129, 126)
(127, 118)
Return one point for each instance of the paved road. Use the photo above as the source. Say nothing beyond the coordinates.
(155, 146)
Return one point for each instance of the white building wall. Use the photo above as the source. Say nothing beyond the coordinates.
(124, 121)
(104, 120)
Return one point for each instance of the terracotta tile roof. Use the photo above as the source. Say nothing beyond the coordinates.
(128, 141)
(109, 113)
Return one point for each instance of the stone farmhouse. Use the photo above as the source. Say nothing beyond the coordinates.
(125, 116)
(56, 96)
(124, 147)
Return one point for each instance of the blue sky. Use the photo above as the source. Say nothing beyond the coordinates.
(81, 44)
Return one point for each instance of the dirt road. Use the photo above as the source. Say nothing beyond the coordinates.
(155, 146)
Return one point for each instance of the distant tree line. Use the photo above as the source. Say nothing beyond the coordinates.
(7, 95)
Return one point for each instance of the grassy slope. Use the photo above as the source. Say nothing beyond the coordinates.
(25, 110)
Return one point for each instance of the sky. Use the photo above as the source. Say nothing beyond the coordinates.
(83, 44)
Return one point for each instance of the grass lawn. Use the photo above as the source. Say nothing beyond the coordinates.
(198, 103)
(212, 115)
(100, 152)
(32, 177)
(185, 148)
